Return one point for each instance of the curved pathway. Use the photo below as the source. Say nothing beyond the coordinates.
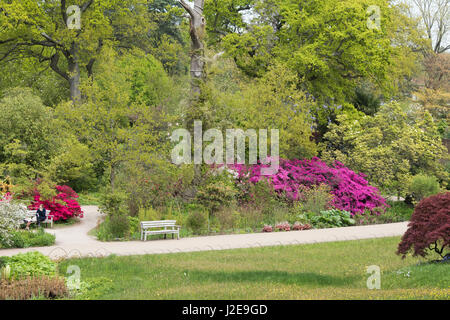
(74, 241)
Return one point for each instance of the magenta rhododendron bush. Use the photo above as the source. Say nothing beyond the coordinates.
(62, 206)
(351, 191)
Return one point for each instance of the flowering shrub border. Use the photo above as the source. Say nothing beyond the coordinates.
(351, 191)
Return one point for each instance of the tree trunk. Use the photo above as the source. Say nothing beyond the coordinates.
(74, 81)
(74, 74)
(112, 178)
(197, 33)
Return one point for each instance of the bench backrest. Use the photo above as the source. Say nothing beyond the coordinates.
(158, 224)
(31, 212)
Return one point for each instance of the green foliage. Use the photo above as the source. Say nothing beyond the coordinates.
(134, 225)
(116, 226)
(30, 264)
(92, 289)
(39, 31)
(217, 194)
(119, 225)
(271, 102)
(389, 148)
(149, 214)
(261, 196)
(251, 50)
(367, 101)
(27, 239)
(315, 200)
(147, 80)
(227, 219)
(27, 73)
(398, 211)
(332, 219)
(423, 186)
(155, 182)
(121, 119)
(113, 203)
(26, 134)
(73, 166)
(225, 17)
(89, 198)
(327, 44)
(197, 221)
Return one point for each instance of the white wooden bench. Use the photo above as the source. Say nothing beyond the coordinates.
(48, 220)
(156, 227)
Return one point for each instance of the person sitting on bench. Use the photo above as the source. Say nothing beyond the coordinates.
(41, 216)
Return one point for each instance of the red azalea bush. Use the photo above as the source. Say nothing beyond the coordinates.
(429, 228)
(267, 228)
(62, 206)
(351, 191)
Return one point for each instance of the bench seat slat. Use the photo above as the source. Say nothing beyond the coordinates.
(161, 231)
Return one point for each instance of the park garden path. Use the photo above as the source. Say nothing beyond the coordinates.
(74, 241)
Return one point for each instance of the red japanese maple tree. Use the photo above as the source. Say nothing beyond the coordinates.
(429, 228)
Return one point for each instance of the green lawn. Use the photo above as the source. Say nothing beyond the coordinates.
(318, 271)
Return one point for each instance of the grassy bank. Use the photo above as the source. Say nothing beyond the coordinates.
(319, 271)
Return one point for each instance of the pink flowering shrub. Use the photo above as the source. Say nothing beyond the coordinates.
(283, 226)
(267, 228)
(6, 198)
(62, 206)
(351, 191)
(298, 226)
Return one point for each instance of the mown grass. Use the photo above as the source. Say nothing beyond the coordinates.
(318, 271)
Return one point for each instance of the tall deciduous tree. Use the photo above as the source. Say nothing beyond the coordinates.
(27, 139)
(389, 147)
(40, 29)
(225, 17)
(435, 16)
(332, 45)
(198, 33)
(121, 117)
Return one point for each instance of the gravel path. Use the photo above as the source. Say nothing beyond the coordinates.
(74, 241)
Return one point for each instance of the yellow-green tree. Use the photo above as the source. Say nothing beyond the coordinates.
(124, 115)
(389, 147)
(43, 31)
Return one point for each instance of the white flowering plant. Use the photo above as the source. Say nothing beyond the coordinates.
(11, 217)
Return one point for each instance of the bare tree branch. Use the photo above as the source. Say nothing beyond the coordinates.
(64, 11)
(187, 8)
(86, 6)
